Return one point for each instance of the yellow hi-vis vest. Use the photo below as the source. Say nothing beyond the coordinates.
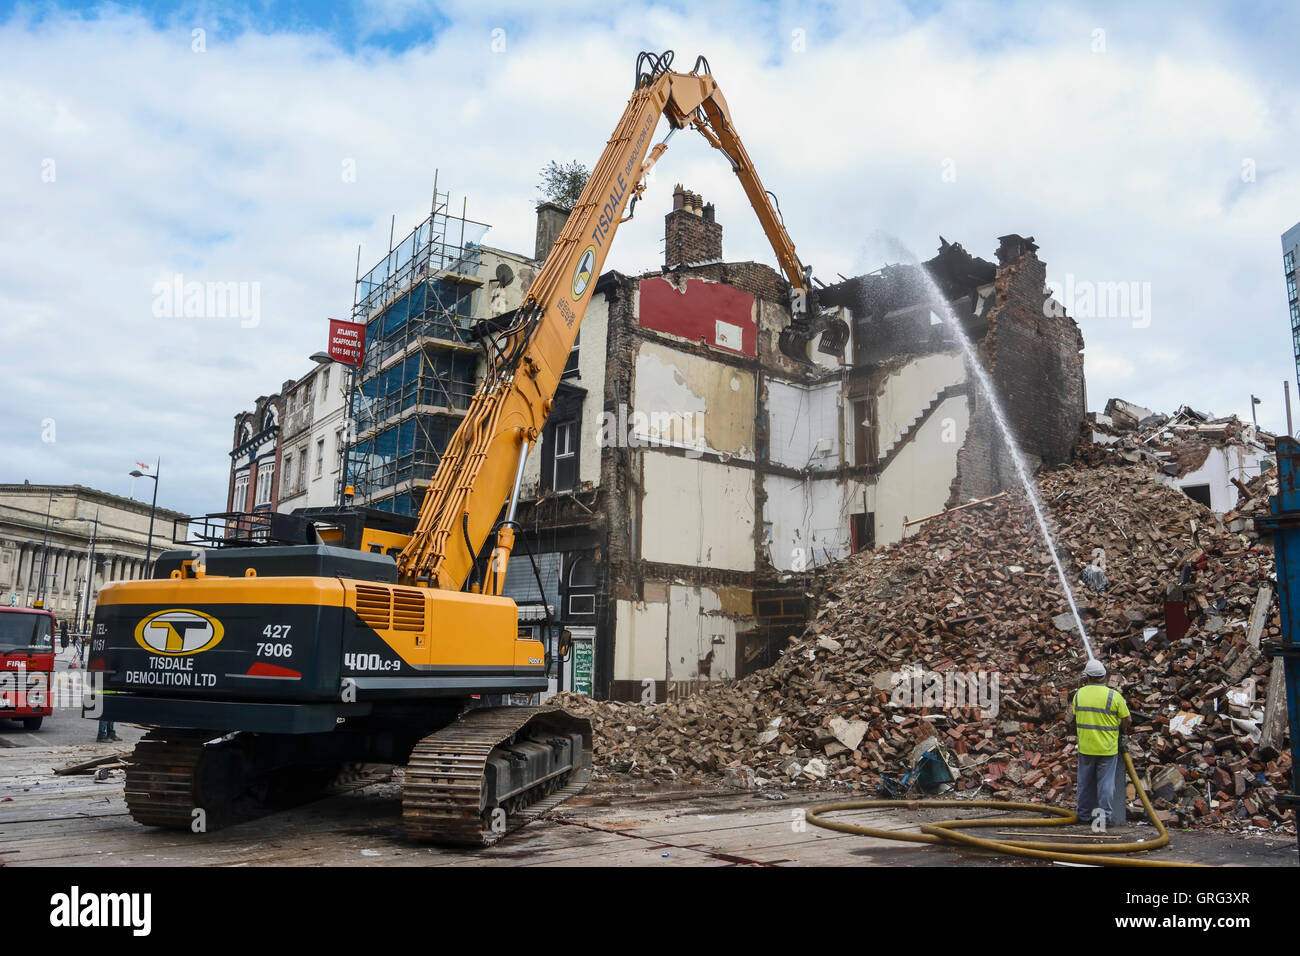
(1098, 710)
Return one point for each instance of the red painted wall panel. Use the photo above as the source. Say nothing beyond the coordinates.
(695, 313)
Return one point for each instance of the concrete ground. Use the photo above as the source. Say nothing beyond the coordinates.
(75, 821)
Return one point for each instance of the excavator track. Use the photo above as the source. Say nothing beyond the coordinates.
(493, 770)
(201, 781)
(165, 782)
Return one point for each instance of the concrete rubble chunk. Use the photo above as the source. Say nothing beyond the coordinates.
(848, 732)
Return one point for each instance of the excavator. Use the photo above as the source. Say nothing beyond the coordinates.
(290, 646)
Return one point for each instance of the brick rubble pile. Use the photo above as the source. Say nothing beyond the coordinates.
(973, 595)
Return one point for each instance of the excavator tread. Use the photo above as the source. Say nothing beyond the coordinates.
(161, 778)
(444, 799)
(165, 784)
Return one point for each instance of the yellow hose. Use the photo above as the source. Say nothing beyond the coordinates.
(949, 831)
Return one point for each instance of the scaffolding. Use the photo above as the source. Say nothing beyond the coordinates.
(421, 366)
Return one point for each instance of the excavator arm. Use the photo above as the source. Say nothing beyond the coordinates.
(482, 466)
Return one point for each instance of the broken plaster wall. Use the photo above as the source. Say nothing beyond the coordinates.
(1221, 465)
(696, 513)
(679, 635)
(917, 481)
(804, 424)
(688, 401)
(906, 394)
(806, 520)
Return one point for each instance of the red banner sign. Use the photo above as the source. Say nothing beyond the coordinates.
(347, 341)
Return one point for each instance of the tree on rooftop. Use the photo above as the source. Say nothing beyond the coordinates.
(562, 183)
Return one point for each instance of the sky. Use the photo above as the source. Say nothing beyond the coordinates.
(1150, 152)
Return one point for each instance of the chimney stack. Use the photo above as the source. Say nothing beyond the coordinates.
(550, 223)
(691, 234)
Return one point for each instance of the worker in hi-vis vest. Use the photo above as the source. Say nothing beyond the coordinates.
(1099, 715)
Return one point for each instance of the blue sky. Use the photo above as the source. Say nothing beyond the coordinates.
(1151, 147)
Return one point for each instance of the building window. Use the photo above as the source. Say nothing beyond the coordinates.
(1288, 262)
(1291, 287)
(561, 441)
(564, 474)
(320, 457)
(571, 366)
(239, 501)
(582, 588)
(1199, 493)
(265, 483)
(288, 474)
(324, 384)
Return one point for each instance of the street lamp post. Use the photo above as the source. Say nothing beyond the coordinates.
(137, 473)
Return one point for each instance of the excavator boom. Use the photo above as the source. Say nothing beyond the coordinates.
(481, 468)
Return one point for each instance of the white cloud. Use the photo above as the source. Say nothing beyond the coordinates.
(226, 166)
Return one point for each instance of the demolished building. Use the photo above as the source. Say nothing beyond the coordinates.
(691, 476)
(1209, 459)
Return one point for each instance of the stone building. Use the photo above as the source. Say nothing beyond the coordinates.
(255, 455)
(48, 528)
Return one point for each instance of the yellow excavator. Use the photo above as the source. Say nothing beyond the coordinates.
(292, 645)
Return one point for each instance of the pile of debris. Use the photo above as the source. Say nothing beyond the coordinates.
(963, 633)
(1176, 445)
(1252, 502)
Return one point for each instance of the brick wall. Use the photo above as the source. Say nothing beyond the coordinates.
(1036, 363)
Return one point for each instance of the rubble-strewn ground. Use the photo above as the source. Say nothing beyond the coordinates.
(975, 592)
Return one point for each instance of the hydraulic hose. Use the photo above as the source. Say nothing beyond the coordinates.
(949, 831)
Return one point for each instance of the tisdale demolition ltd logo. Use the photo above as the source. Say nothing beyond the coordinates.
(178, 632)
(76, 909)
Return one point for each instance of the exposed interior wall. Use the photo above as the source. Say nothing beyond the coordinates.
(905, 394)
(701, 635)
(696, 310)
(696, 512)
(679, 633)
(918, 479)
(639, 652)
(806, 520)
(684, 399)
(804, 424)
